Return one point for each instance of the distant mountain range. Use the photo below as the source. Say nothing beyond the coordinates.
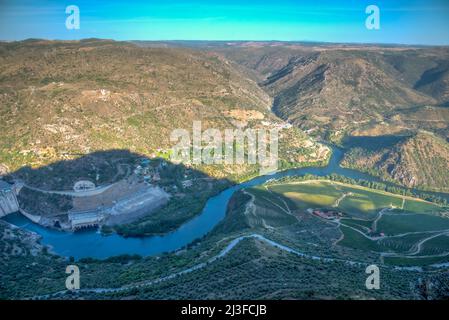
(332, 88)
(341, 91)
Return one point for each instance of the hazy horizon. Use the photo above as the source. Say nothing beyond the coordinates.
(411, 22)
(299, 42)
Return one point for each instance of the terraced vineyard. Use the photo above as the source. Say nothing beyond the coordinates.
(393, 226)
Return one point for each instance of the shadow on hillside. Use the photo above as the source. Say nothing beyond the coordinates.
(123, 174)
(373, 143)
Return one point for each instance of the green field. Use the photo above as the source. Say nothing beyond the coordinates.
(397, 223)
(402, 244)
(412, 261)
(359, 201)
(420, 207)
(435, 246)
(359, 224)
(408, 228)
(271, 210)
(308, 195)
(355, 240)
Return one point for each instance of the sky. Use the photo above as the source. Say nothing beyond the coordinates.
(423, 22)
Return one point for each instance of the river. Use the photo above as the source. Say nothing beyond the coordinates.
(93, 244)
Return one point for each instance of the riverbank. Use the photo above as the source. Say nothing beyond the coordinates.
(94, 244)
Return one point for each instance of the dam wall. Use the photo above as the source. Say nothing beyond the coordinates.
(8, 199)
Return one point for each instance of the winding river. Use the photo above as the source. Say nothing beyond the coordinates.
(94, 244)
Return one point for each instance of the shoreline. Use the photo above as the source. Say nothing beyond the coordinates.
(194, 229)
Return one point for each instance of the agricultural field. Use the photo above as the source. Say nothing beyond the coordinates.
(395, 227)
(357, 201)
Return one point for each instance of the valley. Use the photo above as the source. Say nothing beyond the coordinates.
(362, 170)
(268, 234)
(114, 106)
(345, 93)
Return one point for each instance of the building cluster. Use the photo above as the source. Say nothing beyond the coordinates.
(149, 173)
(277, 125)
(327, 214)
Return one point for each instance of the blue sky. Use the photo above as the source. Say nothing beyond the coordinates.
(402, 21)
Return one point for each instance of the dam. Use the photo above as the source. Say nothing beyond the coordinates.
(8, 199)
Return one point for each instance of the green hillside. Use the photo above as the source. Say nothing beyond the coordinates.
(419, 160)
(65, 98)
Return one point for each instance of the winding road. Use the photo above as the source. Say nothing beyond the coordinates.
(222, 254)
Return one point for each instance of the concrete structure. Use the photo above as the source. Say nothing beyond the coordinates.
(8, 199)
(84, 185)
(137, 205)
(124, 210)
(87, 219)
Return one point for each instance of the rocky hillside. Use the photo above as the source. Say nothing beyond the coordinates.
(60, 98)
(332, 89)
(418, 160)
